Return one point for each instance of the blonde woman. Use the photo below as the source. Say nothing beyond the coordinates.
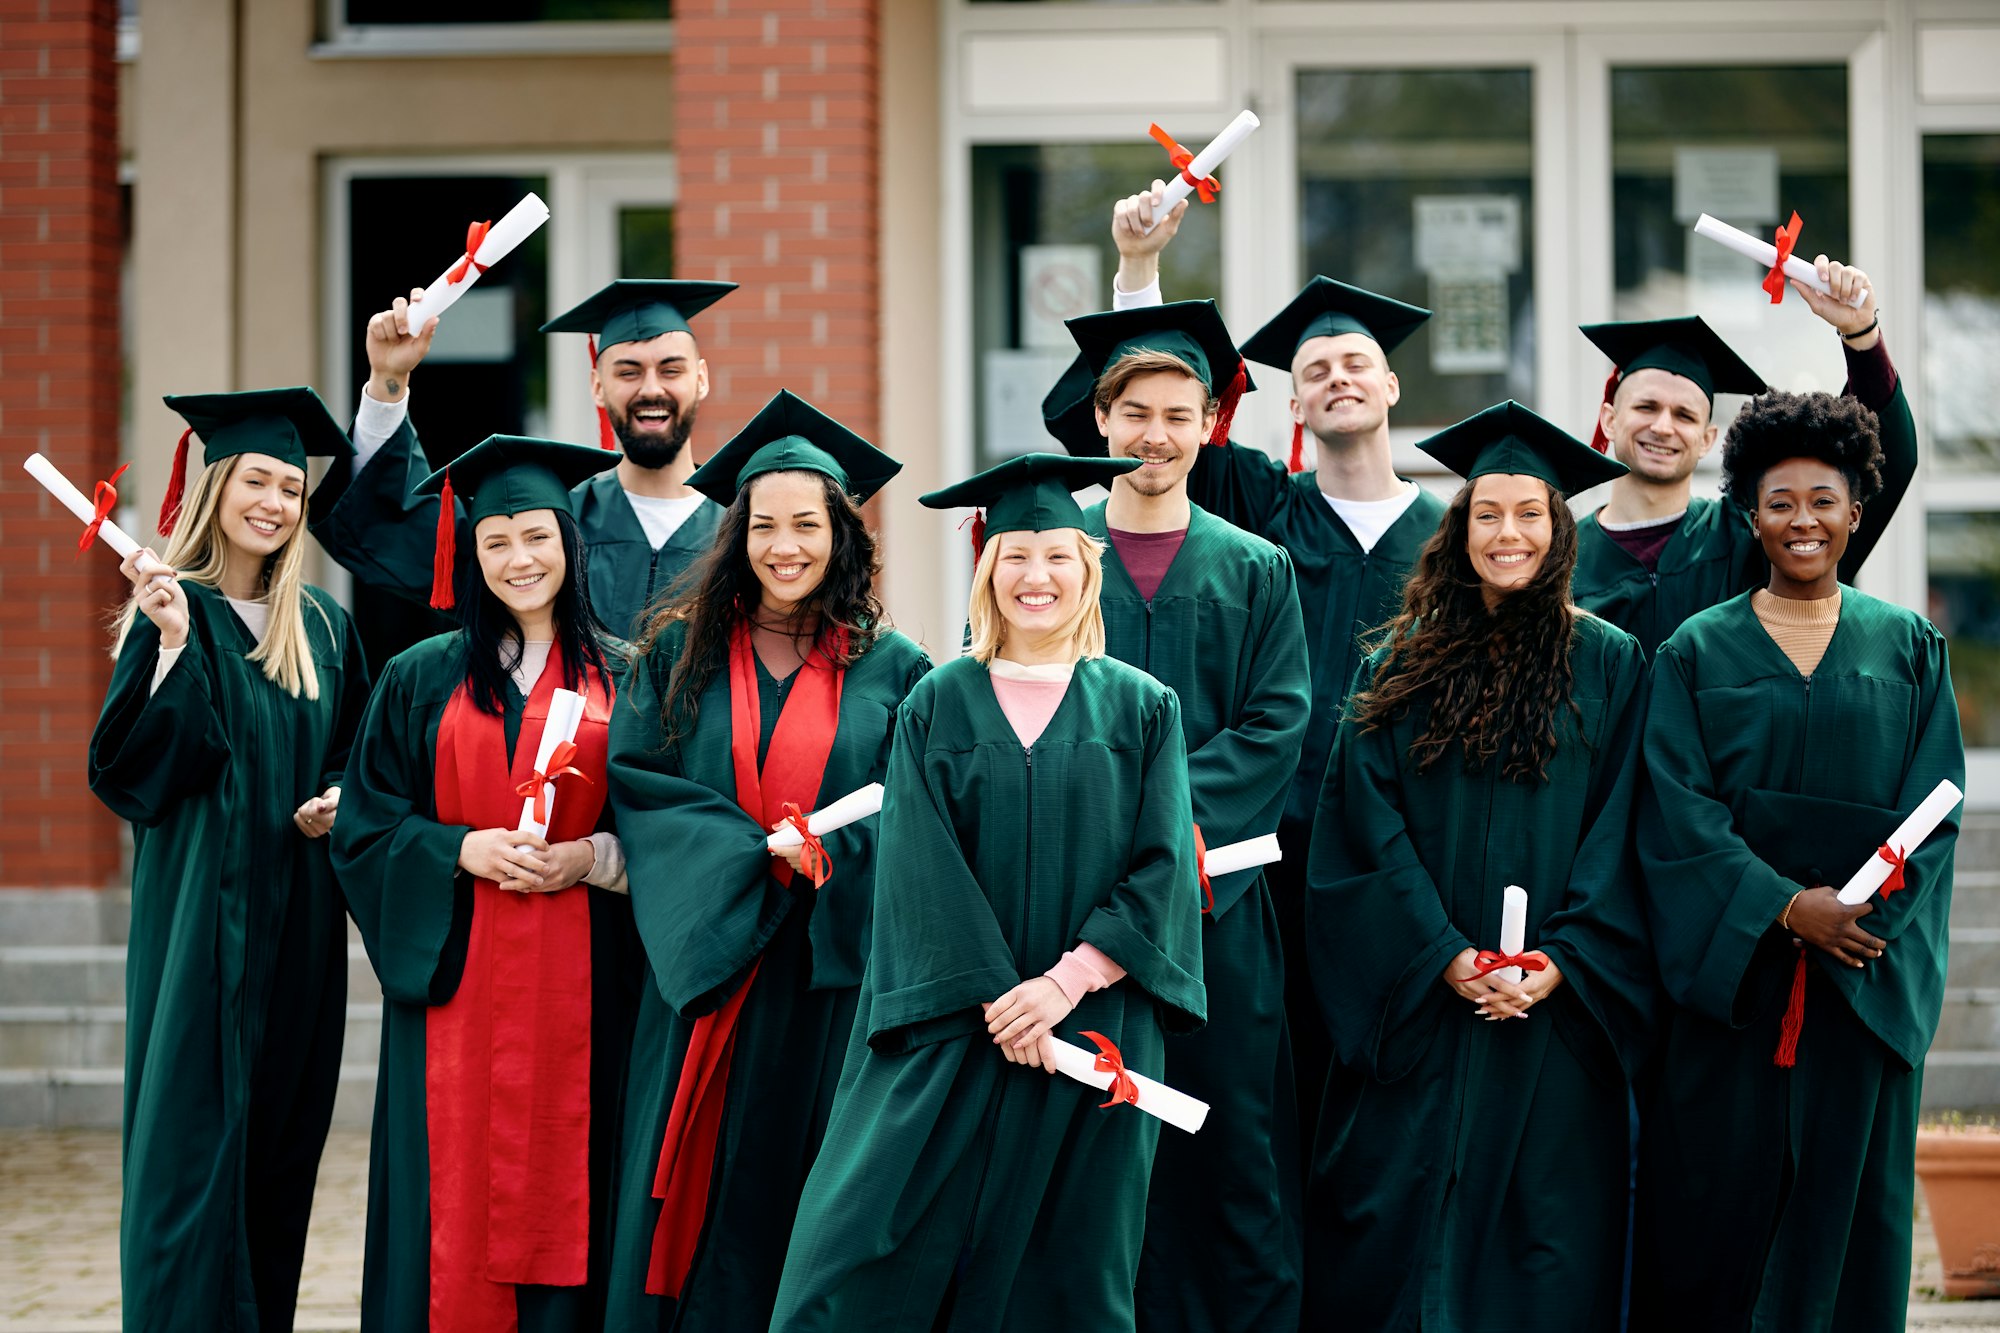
(1034, 878)
(235, 696)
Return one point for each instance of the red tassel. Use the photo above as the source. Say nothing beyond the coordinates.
(1297, 462)
(606, 438)
(445, 559)
(170, 503)
(1795, 1016)
(1598, 439)
(978, 535)
(1225, 414)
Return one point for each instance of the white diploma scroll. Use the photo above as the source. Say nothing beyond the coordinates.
(522, 221)
(1909, 835)
(565, 715)
(856, 805)
(1513, 930)
(1227, 860)
(1155, 1098)
(74, 500)
(1204, 164)
(1766, 254)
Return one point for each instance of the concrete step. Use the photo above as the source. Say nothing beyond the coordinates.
(1970, 1021)
(94, 974)
(1979, 842)
(1975, 957)
(93, 1036)
(64, 916)
(1975, 897)
(94, 1098)
(1966, 1081)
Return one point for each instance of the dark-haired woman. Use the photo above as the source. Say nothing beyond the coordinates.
(1790, 731)
(1470, 1168)
(769, 685)
(503, 953)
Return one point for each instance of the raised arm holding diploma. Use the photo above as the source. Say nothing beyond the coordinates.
(1765, 253)
(1195, 171)
(486, 245)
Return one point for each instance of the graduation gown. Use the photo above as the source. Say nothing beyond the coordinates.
(1465, 1170)
(1344, 592)
(1714, 555)
(950, 1177)
(1223, 630)
(236, 970)
(1777, 1198)
(426, 925)
(708, 906)
(384, 534)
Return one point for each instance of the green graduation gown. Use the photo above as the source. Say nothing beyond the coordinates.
(1713, 554)
(707, 907)
(236, 971)
(951, 1180)
(1467, 1174)
(415, 908)
(1344, 592)
(1777, 1198)
(384, 534)
(1223, 630)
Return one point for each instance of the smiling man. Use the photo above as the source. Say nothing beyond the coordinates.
(1655, 553)
(641, 523)
(1212, 611)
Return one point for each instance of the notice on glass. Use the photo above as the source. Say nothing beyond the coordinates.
(1058, 282)
(1468, 324)
(1478, 232)
(1739, 185)
(1011, 405)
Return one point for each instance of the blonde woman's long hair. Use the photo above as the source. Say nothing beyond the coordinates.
(200, 552)
(1084, 628)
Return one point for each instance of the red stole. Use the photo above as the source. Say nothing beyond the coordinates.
(507, 1058)
(793, 769)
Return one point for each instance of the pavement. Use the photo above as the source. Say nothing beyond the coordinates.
(59, 1240)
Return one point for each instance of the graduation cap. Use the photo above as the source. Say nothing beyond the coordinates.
(503, 474)
(1190, 330)
(1030, 493)
(633, 310)
(791, 434)
(1325, 309)
(290, 425)
(1686, 347)
(1508, 438)
(1069, 412)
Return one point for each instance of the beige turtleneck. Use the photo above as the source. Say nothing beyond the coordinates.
(1801, 629)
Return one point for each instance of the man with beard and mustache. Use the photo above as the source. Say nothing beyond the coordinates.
(641, 523)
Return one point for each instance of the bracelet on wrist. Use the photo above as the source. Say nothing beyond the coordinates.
(1785, 917)
(1873, 325)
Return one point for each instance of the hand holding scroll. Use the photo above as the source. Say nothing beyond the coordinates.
(1496, 996)
(1022, 1020)
(1819, 918)
(395, 349)
(1836, 305)
(161, 599)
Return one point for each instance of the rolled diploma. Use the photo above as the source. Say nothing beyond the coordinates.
(1204, 164)
(522, 221)
(565, 714)
(1909, 835)
(1241, 855)
(72, 499)
(1155, 1098)
(854, 806)
(1766, 254)
(1513, 929)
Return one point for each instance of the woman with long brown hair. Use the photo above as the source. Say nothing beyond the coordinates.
(768, 685)
(1471, 1151)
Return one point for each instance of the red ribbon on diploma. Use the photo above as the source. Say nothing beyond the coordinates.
(105, 498)
(1204, 186)
(475, 236)
(1897, 860)
(1201, 867)
(1109, 1061)
(1490, 960)
(559, 766)
(812, 856)
(1787, 237)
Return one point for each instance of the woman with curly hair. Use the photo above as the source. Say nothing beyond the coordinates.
(1790, 730)
(1471, 1150)
(769, 685)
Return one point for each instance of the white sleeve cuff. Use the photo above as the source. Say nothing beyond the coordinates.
(168, 656)
(1149, 295)
(609, 872)
(374, 423)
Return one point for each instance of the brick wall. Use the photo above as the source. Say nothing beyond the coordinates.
(776, 136)
(60, 377)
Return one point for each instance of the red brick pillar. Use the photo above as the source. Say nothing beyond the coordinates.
(61, 234)
(775, 131)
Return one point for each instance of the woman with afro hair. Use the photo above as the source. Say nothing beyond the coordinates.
(1790, 729)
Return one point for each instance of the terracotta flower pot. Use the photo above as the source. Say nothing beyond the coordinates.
(1960, 1169)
